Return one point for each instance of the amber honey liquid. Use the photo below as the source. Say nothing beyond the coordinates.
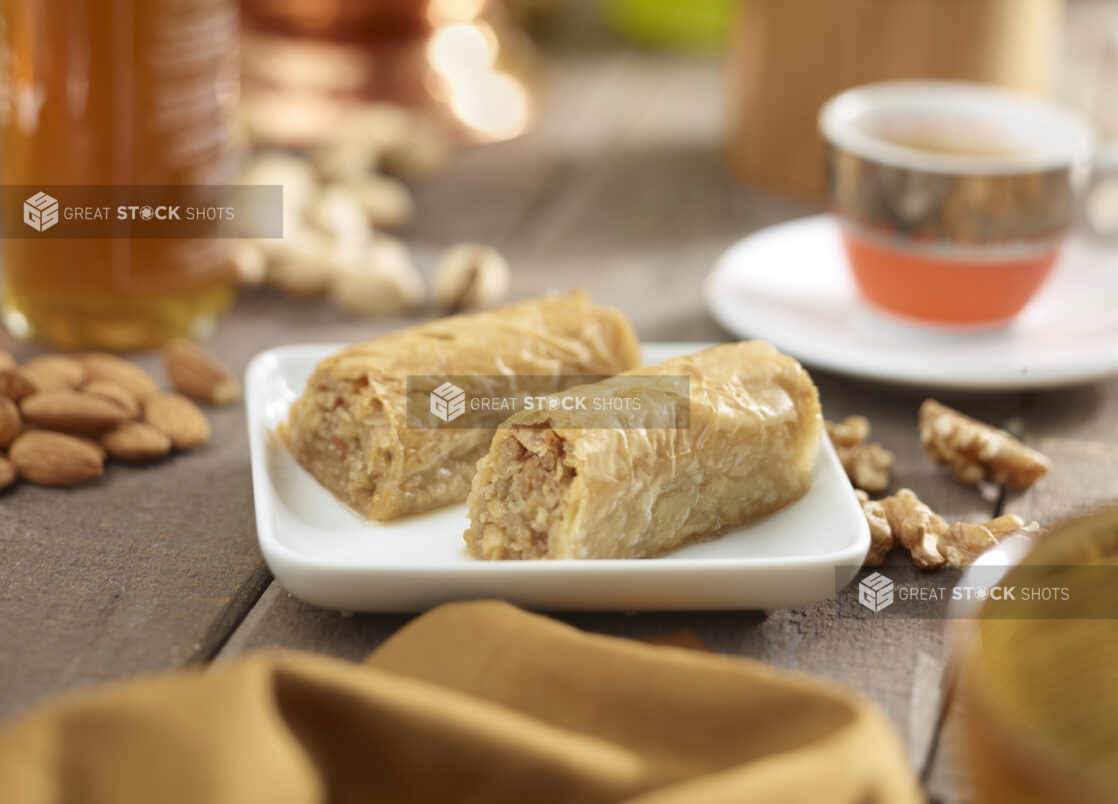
(116, 92)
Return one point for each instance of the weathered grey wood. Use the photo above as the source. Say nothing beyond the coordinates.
(947, 780)
(308, 628)
(1077, 429)
(126, 574)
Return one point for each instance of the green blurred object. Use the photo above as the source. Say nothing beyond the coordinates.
(690, 25)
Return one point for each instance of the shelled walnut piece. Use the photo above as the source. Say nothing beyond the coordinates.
(964, 542)
(53, 407)
(866, 464)
(904, 519)
(881, 532)
(915, 527)
(977, 451)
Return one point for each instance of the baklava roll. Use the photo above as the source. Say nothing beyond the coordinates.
(350, 428)
(641, 482)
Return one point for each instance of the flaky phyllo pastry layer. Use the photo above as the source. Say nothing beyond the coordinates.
(350, 426)
(551, 488)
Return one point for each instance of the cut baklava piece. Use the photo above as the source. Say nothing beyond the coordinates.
(734, 442)
(350, 427)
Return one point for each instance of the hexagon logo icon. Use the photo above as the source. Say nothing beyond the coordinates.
(448, 402)
(40, 212)
(875, 592)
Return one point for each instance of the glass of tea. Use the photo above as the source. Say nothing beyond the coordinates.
(953, 199)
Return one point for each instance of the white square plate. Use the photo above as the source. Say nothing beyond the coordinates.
(324, 553)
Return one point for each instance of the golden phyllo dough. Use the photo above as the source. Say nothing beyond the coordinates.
(350, 426)
(639, 483)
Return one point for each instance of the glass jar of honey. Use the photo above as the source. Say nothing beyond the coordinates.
(114, 94)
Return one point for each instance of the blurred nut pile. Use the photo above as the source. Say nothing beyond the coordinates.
(63, 416)
(340, 203)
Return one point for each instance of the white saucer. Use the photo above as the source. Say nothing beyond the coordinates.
(790, 285)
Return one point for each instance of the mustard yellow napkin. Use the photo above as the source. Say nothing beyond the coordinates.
(474, 702)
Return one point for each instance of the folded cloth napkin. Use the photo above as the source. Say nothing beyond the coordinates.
(472, 702)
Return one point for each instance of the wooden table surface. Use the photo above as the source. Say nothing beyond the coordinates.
(619, 190)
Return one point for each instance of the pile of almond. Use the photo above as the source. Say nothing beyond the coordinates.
(63, 416)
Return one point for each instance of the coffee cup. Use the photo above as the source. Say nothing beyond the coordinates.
(954, 199)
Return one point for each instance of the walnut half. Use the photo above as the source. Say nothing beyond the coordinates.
(866, 464)
(977, 451)
(903, 519)
(963, 542)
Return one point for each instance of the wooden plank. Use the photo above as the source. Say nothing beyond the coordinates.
(124, 575)
(1078, 429)
(947, 780)
(280, 620)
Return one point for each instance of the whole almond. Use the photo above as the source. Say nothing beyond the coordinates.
(199, 375)
(54, 459)
(11, 423)
(104, 366)
(17, 382)
(8, 473)
(95, 444)
(136, 442)
(72, 411)
(116, 393)
(6, 359)
(179, 418)
(56, 372)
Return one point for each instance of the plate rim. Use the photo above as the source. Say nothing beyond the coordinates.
(1067, 373)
